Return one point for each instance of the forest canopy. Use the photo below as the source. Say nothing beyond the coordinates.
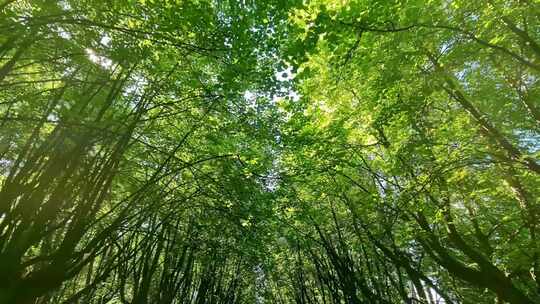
(269, 151)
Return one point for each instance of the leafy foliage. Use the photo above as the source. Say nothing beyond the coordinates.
(269, 151)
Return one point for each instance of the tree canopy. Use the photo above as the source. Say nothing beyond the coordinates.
(269, 151)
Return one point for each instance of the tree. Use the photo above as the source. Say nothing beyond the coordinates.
(269, 151)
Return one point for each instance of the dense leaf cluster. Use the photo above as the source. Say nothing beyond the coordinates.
(321, 151)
